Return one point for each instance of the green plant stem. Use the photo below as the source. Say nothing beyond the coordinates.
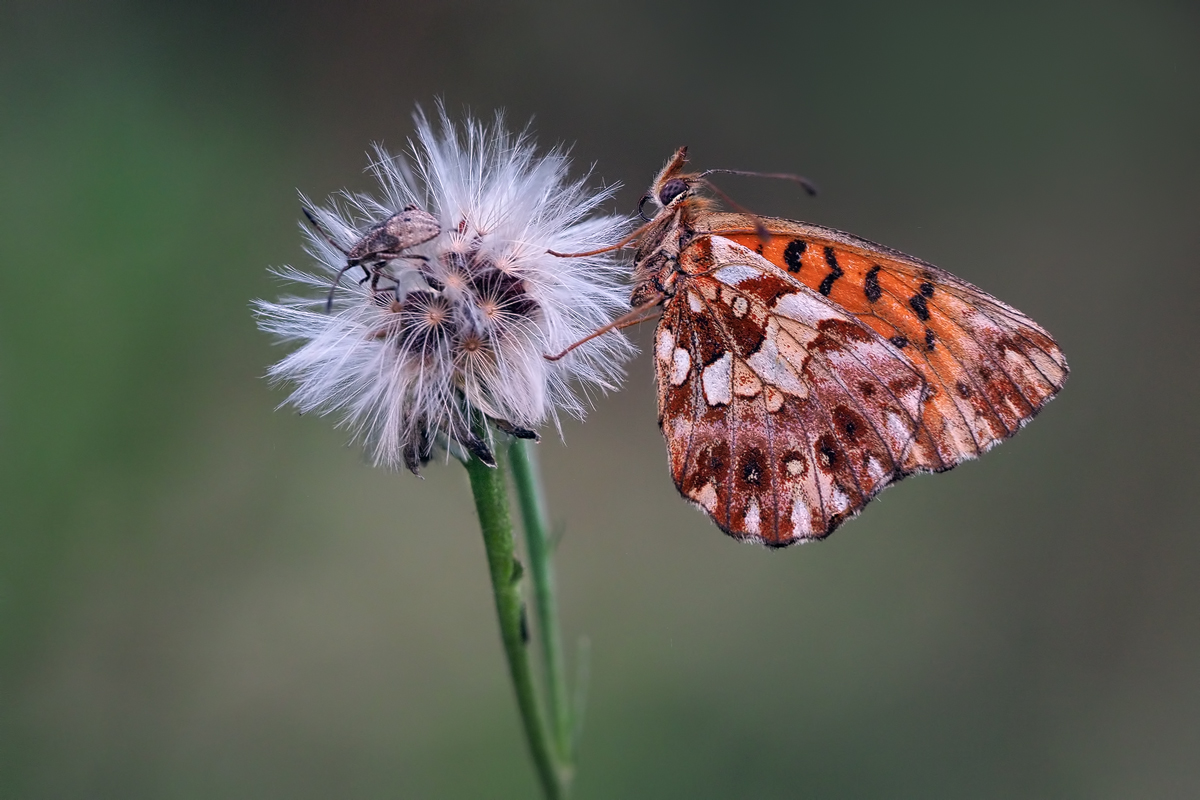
(533, 513)
(491, 503)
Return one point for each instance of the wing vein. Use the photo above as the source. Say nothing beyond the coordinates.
(941, 380)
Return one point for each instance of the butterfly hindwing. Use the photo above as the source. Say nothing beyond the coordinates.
(783, 414)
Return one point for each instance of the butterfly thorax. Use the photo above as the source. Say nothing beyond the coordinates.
(656, 264)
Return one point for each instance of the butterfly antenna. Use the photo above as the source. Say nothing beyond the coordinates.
(760, 229)
(809, 186)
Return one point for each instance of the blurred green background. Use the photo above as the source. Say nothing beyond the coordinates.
(203, 597)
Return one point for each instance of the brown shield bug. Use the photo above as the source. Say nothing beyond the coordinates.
(383, 242)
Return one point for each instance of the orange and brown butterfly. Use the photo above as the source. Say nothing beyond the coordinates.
(801, 369)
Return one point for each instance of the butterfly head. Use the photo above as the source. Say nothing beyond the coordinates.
(671, 191)
(671, 188)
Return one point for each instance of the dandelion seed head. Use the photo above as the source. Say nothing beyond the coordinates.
(451, 299)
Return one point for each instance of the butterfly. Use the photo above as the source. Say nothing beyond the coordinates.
(801, 370)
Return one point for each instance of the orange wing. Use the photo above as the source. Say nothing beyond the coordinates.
(990, 368)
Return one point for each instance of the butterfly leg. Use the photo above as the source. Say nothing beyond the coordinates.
(640, 314)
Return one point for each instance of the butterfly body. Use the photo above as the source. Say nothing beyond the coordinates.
(801, 370)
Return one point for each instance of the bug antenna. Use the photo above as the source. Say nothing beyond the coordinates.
(349, 264)
(759, 228)
(324, 234)
(809, 186)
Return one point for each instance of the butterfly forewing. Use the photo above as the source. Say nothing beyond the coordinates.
(783, 414)
(990, 368)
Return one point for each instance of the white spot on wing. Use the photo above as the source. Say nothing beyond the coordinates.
(718, 388)
(772, 366)
(752, 517)
(736, 273)
(898, 431)
(680, 365)
(694, 302)
(839, 501)
(804, 307)
(665, 345)
(706, 497)
(875, 469)
(801, 516)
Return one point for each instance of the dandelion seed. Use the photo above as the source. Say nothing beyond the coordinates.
(454, 311)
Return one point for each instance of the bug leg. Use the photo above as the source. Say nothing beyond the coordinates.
(336, 280)
(375, 273)
(412, 460)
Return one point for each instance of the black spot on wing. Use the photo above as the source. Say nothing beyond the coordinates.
(792, 254)
(871, 286)
(752, 467)
(849, 423)
(835, 272)
(919, 307)
(827, 453)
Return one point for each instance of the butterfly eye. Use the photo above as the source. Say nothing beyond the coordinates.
(671, 189)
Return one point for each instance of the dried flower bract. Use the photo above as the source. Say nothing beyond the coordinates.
(447, 300)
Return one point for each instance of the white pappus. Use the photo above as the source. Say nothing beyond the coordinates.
(439, 319)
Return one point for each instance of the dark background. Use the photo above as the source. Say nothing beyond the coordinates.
(203, 597)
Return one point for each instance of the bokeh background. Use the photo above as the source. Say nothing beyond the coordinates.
(203, 597)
